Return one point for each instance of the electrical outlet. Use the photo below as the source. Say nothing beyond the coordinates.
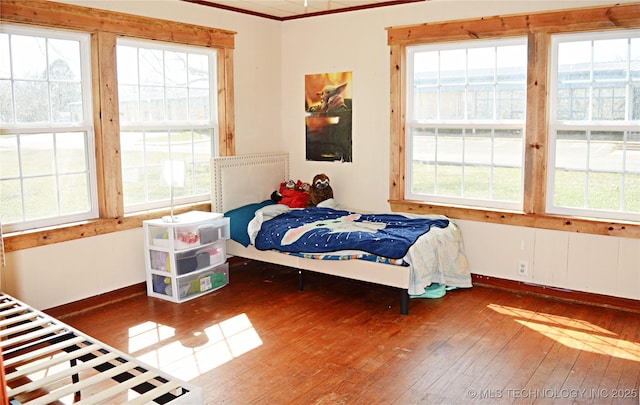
(523, 267)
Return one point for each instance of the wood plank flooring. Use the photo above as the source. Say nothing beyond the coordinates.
(260, 341)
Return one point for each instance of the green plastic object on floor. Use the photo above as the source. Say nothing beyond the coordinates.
(434, 290)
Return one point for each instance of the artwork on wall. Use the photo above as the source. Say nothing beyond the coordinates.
(328, 110)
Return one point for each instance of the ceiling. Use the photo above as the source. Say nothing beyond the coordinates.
(291, 9)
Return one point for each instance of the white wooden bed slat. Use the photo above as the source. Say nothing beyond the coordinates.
(25, 326)
(16, 319)
(15, 310)
(31, 336)
(36, 354)
(87, 382)
(41, 365)
(80, 367)
(5, 304)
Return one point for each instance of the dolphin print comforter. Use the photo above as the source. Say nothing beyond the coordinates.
(431, 245)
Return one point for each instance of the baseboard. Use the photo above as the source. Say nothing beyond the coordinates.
(600, 300)
(625, 304)
(97, 301)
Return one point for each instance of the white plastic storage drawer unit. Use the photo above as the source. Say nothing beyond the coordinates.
(186, 258)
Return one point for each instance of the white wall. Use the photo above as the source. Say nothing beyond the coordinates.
(271, 60)
(567, 260)
(57, 274)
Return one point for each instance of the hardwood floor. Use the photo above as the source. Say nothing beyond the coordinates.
(260, 341)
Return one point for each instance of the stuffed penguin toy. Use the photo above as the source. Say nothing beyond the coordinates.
(320, 190)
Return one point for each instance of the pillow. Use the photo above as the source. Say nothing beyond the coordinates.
(239, 220)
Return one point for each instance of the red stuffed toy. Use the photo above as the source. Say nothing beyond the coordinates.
(292, 194)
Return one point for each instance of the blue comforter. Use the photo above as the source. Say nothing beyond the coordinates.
(322, 230)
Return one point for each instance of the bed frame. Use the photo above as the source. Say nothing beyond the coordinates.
(246, 179)
(46, 360)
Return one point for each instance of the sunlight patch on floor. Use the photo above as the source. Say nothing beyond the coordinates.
(573, 333)
(199, 352)
(147, 334)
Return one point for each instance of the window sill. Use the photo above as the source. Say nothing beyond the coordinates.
(63, 233)
(568, 224)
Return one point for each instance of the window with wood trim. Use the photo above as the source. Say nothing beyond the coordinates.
(540, 126)
(594, 125)
(103, 28)
(168, 119)
(47, 165)
(465, 122)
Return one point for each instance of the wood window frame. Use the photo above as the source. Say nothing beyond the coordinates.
(105, 27)
(538, 27)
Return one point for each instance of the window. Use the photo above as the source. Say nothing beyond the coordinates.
(47, 166)
(594, 129)
(168, 122)
(578, 122)
(465, 122)
(98, 31)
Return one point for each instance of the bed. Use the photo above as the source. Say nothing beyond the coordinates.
(49, 362)
(241, 186)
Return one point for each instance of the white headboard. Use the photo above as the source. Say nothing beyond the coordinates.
(245, 179)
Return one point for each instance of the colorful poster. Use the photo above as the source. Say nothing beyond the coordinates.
(328, 110)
